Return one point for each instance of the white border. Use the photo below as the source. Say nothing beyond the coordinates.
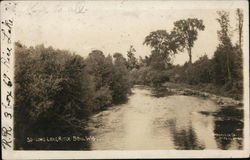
(10, 154)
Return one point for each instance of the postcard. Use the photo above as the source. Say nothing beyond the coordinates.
(124, 79)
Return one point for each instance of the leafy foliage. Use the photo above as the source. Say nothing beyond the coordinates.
(224, 70)
(188, 31)
(120, 84)
(132, 61)
(164, 46)
(56, 91)
(239, 18)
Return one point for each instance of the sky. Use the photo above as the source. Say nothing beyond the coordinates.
(113, 26)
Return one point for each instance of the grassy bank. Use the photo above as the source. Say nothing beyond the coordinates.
(208, 88)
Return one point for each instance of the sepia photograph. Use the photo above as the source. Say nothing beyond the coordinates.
(136, 77)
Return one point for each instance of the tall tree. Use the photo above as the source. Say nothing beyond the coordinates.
(164, 45)
(225, 40)
(132, 61)
(96, 67)
(120, 84)
(239, 17)
(188, 30)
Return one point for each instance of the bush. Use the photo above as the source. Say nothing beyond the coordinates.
(148, 76)
(102, 98)
(56, 91)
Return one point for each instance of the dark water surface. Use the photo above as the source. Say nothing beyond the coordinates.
(154, 119)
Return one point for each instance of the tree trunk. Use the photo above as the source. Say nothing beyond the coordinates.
(228, 69)
(240, 37)
(190, 55)
(240, 25)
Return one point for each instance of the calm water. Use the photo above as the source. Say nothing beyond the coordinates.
(153, 119)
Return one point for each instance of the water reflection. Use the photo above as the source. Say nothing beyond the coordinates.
(154, 119)
(229, 128)
(185, 138)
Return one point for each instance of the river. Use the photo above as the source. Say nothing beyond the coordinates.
(158, 120)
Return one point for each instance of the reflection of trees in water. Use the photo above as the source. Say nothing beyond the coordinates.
(229, 127)
(185, 138)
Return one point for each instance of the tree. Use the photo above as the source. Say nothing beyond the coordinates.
(132, 61)
(120, 84)
(51, 87)
(164, 45)
(61, 89)
(143, 61)
(239, 17)
(96, 67)
(225, 40)
(101, 69)
(188, 31)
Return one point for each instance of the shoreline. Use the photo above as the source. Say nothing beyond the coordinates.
(218, 99)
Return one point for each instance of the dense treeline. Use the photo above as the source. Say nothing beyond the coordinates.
(153, 69)
(225, 69)
(56, 91)
(222, 73)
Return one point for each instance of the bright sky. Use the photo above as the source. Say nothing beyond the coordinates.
(113, 26)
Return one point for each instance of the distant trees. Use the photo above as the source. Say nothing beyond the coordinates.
(121, 82)
(225, 69)
(55, 91)
(239, 18)
(100, 68)
(149, 72)
(225, 46)
(132, 61)
(228, 57)
(201, 71)
(188, 31)
(164, 46)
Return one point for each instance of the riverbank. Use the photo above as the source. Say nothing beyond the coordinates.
(202, 91)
